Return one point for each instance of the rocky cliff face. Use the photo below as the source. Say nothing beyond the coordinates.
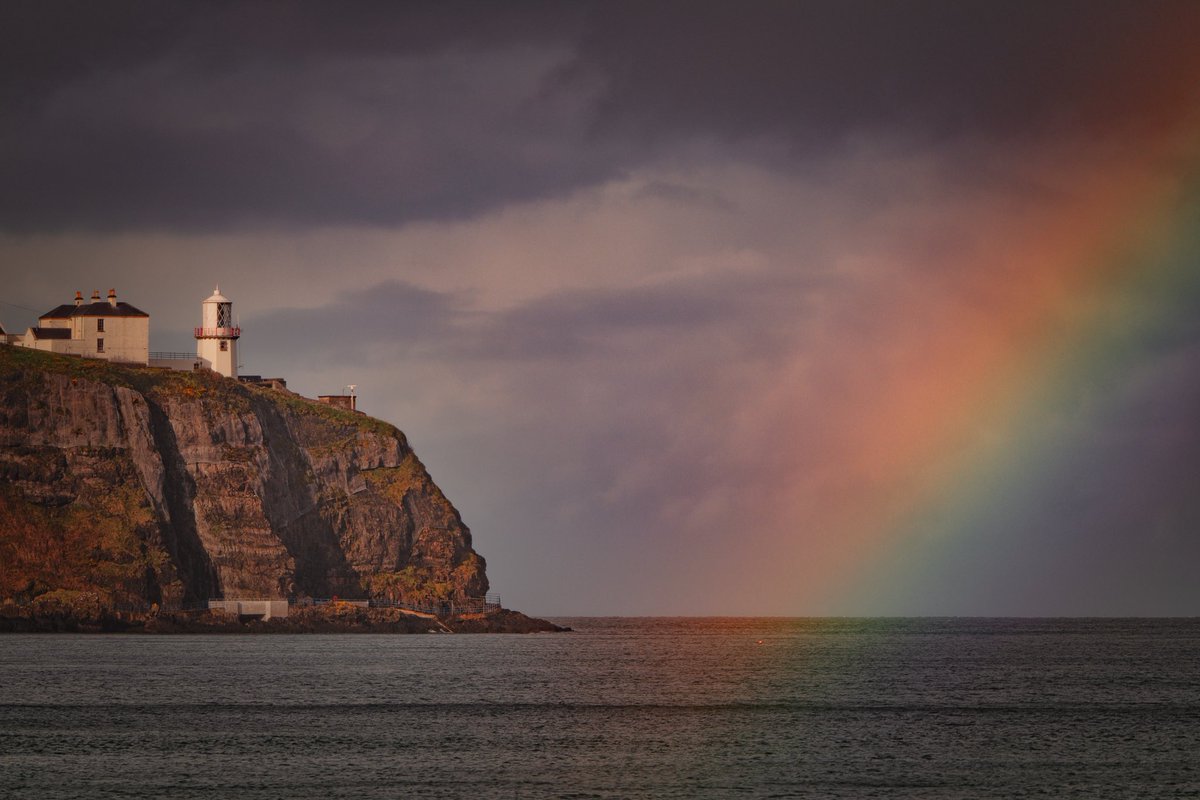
(147, 486)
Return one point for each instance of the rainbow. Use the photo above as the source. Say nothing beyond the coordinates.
(1009, 387)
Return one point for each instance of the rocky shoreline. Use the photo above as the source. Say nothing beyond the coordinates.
(325, 619)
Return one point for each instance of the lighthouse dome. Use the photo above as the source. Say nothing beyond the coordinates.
(217, 297)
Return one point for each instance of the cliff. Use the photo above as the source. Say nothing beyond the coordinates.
(135, 487)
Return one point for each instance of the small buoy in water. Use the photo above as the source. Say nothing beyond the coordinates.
(760, 641)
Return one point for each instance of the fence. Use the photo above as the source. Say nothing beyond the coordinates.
(139, 608)
(470, 605)
(219, 333)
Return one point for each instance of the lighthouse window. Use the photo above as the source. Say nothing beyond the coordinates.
(223, 315)
(224, 345)
(100, 326)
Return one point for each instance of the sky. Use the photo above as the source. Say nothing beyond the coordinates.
(771, 308)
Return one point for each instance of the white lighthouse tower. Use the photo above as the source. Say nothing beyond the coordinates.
(216, 338)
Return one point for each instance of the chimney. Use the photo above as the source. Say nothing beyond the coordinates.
(79, 298)
(95, 295)
(112, 297)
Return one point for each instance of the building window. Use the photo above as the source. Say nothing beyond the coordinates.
(99, 345)
(224, 345)
(99, 326)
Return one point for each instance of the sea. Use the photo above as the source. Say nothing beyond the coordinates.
(617, 708)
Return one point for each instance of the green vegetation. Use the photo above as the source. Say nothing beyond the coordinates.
(424, 585)
(334, 506)
(302, 406)
(468, 570)
(235, 453)
(23, 368)
(22, 365)
(395, 482)
(413, 584)
(105, 544)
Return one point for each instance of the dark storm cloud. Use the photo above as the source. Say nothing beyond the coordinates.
(813, 72)
(207, 116)
(215, 115)
(356, 140)
(46, 45)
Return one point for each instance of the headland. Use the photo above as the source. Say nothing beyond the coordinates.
(138, 498)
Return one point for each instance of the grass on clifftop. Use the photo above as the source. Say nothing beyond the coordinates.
(303, 405)
(21, 367)
(24, 366)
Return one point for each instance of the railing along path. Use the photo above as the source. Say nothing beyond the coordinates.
(473, 605)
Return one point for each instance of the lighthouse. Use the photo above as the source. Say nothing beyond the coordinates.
(216, 338)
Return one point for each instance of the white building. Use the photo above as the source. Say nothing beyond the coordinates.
(119, 332)
(216, 338)
(110, 330)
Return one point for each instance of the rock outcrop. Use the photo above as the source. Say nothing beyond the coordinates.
(134, 487)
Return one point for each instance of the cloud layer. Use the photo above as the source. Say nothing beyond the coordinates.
(178, 116)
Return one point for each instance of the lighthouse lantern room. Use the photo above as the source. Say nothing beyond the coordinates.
(216, 338)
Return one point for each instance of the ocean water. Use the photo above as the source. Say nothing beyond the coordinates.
(638, 708)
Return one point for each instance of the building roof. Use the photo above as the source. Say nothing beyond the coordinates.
(51, 333)
(62, 312)
(99, 309)
(105, 309)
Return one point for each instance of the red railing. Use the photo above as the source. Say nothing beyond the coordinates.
(218, 333)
